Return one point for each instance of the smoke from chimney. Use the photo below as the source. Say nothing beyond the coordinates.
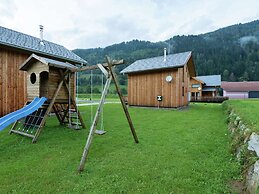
(164, 54)
(41, 35)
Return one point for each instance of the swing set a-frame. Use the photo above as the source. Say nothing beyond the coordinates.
(53, 81)
(107, 70)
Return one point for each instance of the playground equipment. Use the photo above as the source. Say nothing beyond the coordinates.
(53, 80)
(51, 87)
(107, 70)
(21, 113)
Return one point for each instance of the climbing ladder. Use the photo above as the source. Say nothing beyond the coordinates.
(68, 116)
(29, 125)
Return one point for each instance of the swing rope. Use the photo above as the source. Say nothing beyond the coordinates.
(77, 100)
(69, 100)
(102, 125)
(91, 95)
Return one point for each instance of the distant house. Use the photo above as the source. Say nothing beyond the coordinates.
(160, 81)
(205, 86)
(241, 90)
(15, 48)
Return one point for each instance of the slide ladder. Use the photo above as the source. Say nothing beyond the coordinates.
(29, 119)
(21, 113)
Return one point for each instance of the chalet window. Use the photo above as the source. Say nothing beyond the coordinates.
(33, 78)
(182, 91)
(195, 85)
(183, 74)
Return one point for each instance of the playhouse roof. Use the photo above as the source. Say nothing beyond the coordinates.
(156, 63)
(50, 62)
(210, 80)
(29, 43)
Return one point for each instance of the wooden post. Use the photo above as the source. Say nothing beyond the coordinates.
(122, 100)
(57, 114)
(93, 127)
(49, 108)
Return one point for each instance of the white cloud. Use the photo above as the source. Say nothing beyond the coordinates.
(84, 24)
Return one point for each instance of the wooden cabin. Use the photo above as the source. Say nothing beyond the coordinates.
(160, 81)
(15, 48)
(205, 86)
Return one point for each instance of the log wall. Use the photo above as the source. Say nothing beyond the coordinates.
(12, 81)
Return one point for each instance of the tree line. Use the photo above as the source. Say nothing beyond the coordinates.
(232, 52)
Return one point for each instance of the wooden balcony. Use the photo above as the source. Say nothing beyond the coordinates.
(209, 99)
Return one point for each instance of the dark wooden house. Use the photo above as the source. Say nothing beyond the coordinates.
(160, 81)
(15, 48)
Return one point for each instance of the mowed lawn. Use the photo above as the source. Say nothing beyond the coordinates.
(180, 151)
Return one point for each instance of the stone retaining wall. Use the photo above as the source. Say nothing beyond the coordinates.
(245, 145)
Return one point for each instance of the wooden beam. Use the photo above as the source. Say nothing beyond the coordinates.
(57, 114)
(22, 133)
(121, 99)
(93, 127)
(92, 67)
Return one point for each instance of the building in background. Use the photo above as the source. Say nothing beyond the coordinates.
(15, 48)
(160, 81)
(205, 86)
(241, 90)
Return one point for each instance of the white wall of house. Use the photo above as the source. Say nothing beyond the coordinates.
(235, 95)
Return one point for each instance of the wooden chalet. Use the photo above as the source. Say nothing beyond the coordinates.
(160, 81)
(15, 48)
(205, 86)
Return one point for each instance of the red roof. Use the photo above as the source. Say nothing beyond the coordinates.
(240, 86)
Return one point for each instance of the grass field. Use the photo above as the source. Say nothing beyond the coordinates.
(184, 151)
(248, 110)
(109, 97)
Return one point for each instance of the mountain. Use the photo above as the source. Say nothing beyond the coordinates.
(232, 51)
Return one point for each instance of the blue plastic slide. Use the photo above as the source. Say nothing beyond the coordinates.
(23, 112)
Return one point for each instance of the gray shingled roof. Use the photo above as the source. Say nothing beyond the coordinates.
(155, 63)
(210, 80)
(29, 43)
(46, 61)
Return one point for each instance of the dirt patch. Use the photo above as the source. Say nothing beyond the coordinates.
(237, 187)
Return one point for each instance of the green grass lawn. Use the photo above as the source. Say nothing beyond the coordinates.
(184, 151)
(248, 110)
(97, 97)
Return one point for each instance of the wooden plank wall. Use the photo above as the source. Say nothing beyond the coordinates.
(193, 81)
(12, 81)
(54, 79)
(143, 88)
(33, 89)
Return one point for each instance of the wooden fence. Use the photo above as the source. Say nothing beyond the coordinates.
(215, 99)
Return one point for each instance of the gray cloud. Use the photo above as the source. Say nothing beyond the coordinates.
(5, 7)
(84, 24)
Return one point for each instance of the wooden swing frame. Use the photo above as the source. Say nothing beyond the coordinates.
(107, 70)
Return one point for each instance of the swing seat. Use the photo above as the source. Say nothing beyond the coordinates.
(100, 132)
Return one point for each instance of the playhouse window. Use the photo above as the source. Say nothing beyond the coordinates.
(33, 78)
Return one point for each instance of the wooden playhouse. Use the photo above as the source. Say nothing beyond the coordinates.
(54, 80)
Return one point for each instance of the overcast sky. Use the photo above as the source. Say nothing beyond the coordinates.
(99, 23)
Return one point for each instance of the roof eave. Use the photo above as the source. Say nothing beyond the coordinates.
(44, 53)
(148, 70)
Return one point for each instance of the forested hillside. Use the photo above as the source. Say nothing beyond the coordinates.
(232, 52)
